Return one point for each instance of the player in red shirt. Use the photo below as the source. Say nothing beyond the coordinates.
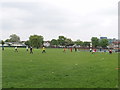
(71, 49)
(110, 51)
(64, 50)
(95, 50)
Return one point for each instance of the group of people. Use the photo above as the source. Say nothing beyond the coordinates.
(94, 50)
(91, 50)
(64, 50)
(31, 49)
(71, 49)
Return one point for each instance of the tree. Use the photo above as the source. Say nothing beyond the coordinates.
(68, 41)
(27, 43)
(104, 43)
(14, 38)
(78, 42)
(61, 40)
(2, 42)
(36, 40)
(95, 41)
(7, 40)
(54, 42)
(86, 44)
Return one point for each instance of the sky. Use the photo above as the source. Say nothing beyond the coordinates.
(75, 19)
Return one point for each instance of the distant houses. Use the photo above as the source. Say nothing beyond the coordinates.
(114, 43)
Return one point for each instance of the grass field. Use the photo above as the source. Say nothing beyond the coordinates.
(56, 69)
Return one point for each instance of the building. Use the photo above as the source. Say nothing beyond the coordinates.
(13, 44)
(114, 43)
(103, 38)
(46, 43)
(110, 41)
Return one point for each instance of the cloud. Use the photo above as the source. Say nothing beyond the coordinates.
(75, 19)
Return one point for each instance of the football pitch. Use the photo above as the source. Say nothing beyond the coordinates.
(56, 69)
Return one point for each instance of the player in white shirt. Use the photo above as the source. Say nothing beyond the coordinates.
(26, 48)
(16, 50)
(90, 50)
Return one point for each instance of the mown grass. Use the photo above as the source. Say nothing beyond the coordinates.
(56, 69)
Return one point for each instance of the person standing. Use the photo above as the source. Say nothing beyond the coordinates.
(95, 50)
(75, 49)
(64, 50)
(90, 50)
(16, 50)
(26, 48)
(31, 52)
(43, 50)
(110, 51)
(71, 49)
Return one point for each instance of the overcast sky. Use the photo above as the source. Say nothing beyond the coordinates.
(75, 19)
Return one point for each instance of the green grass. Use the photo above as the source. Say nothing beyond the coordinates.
(56, 69)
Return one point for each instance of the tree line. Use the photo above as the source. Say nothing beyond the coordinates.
(38, 40)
